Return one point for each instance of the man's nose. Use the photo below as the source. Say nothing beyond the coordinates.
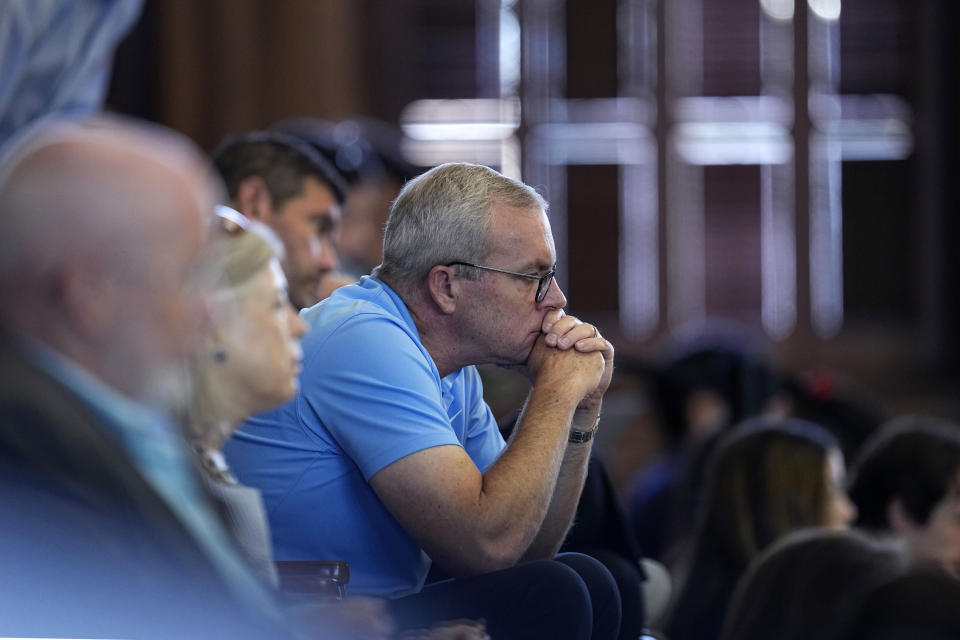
(554, 298)
(326, 258)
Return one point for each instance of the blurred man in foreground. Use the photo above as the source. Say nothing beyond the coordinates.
(102, 226)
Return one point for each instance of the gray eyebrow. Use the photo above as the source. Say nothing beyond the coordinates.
(538, 268)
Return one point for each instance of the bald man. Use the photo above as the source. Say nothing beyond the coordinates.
(102, 224)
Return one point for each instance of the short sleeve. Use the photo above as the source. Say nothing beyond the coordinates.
(375, 392)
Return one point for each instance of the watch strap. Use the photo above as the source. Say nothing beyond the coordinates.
(578, 436)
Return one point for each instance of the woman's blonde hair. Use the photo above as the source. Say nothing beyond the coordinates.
(232, 260)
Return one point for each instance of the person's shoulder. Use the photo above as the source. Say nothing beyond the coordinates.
(43, 419)
(368, 298)
(364, 311)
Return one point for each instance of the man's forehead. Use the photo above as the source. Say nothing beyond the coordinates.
(315, 187)
(522, 233)
(322, 199)
(170, 186)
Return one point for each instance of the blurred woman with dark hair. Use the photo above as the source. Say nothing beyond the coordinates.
(766, 479)
(811, 584)
(842, 585)
(920, 605)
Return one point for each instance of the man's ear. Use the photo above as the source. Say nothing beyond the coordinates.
(898, 519)
(443, 288)
(253, 199)
(86, 294)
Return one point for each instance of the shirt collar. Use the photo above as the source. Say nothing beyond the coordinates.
(117, 409)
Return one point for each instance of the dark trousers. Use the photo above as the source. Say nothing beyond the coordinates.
(572, 596)
(629, 578)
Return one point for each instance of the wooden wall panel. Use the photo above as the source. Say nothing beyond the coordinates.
(232, 65)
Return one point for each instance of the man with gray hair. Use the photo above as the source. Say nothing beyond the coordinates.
(390, 459)
(106, 531)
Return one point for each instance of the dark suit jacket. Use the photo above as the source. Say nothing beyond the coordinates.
(87, 546)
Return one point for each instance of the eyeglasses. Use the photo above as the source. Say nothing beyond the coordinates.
(543, 282)
(230, 221)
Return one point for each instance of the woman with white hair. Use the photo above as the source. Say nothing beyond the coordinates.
(248, 361)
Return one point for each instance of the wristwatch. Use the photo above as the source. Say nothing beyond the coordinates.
(580, 437)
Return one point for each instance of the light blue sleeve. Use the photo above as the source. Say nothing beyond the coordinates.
(376, 393)
(483, 440)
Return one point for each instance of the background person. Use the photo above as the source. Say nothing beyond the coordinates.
(920, 605)
(766, 479)
(906, 481)
(810, 584)
(282, 182)
(367, 153)
(705, 384)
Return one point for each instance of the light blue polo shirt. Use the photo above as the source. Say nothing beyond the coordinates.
(369, 395)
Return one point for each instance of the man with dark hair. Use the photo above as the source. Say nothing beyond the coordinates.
(906, 480)
(282, 182)
(367, 153)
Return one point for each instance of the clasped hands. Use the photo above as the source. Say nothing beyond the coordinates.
(572, 353)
